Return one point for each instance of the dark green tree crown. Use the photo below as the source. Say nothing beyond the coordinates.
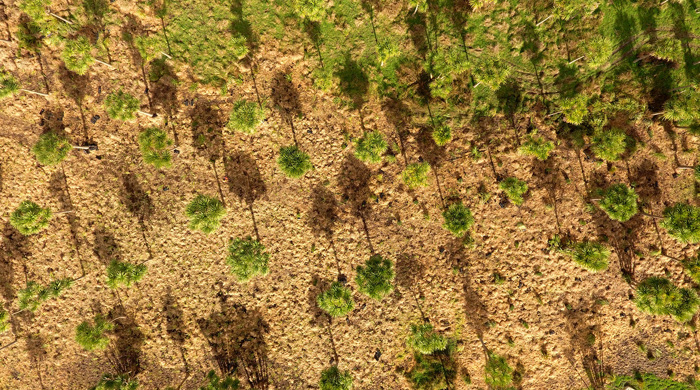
(121, 273)
(205, 213)
(497, 373)
(336, 301)
(155, 147)
(416, 175)
(692, 268)
(51, 148)
(31, 297)
(610, 144)
(8, 84)
(375, 277)
(537, 147)
(116, 382)
(682, 221)
(76, 55)
(247, 258)
(458, 219)
(29, 218)
(590, 255)
(92, 337)
(619, 202)
(245, 116)
(425, 339)
(370, 147)
(514, 189)
(293, 162)
(216, 383)
(659, 296)
(121, 105)
(442, 134)
(334, 379)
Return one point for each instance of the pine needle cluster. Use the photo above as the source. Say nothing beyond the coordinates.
(77, 55)
(514, 189)
(92, 337)
(425, 339)
(155, 147)
(537, 147)
(458, 219)
(375, 277)
(293, 162)
(121, 273)
(51, 148)
(416, 175)
(31, 297)
(442, 135)
(334, 379)
(216, 383)
(205, 213)
(247, 258)
(590, 255)
(370, 147)
(116, 382)
(619, 201)
(498, 374)
(658, 296)
(4, 321)
(245, 116)
(609, 145)
(692, 268)
(121, 105)
(682, 222)
(336, 301)
(30, 218)
(8, 84)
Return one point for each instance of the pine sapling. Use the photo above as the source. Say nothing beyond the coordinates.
(4, 321)
(336, 301)
(458, 219)
(682, 222)
(609, 145)
(537, 147)
(121, 273)
(122, 105)
(216, 383)
(514, 189)
(658, 296)
(370, 147)
(30, 218)
(205, 213)
(116, 382)
(590, 255)
(51, 148)
(692, 268)
(334, 379)
(247, 258)
(425, 339)
(245, 116)
(442, 135)
(31, 297)
(155, 147)
(77, 55)
(619, 201)
(293, 162)
(497, 373)
(416, 175)
(92, 337)
(9, 86)
(375, 277)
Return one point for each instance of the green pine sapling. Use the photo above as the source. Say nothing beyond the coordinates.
(590, 255)
(312, 10)
(336, 301)
(116, 382)
(425, 339)
(370, 147)
(247, 258)
(514, 189)
(458, 219)
(682, 222)
(658, 296)
(245, 116)
(9, 86)
(575, 109)
(375, 277)
(122, 105)
(537, 147)
(442, 135)
(416, 175)
(121, 273)
(30, 218)
(92, 337)
(497, 373)
(77, 55)
(51, 148)
(334, 379)
(610, 144)
(4, 320)
(692, 268)
(155, 147)
(293, 162)
(216, 383)
(205, 213)
(31, 297)
(619, 201)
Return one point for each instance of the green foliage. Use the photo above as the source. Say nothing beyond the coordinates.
(609, 144)
(649, 382)
(205, 213)
(514, 189)
(497, 373)
(442, 135)
(8, 84)
(247, 258)
(245, 116)
(433, 372)
(416, 175)
(692, 268)
(121, 273)
(334, 379)
(31, 297)
(575, 109)
(216, 383)
(619, 201)
(116, 382)
(77, 55)
(336, 301)
(35, 9)
(370, 147)
(682, 222)
(590, 255)
(658, 296)
(312, 10)
(425, 339)
(149, 47)
(599, 51)
(29, 218)
(4, 320)
(374, 279)
(92, 337)
(458, 219)
(51, 148)
(155, 147)
(684, 107)
(121, 105)
(537, 147)
(293, 162)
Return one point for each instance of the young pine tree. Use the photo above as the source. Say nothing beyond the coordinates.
(245, 116)
(416, 175)
(375, 277)
(116, 382)
(4, 321)
(575, 109)
(692, 268)
(619, 202)
(205, 213)
(514, 189)
(247, 258)
(658, 296)
(497, 373)
(8, 84)
(121, 273)
(442, 135)
(370, 147)
(293, 162)
(458, 219)
(334, 379)
(121, 105)
(155, 147)
(92, 337)
(682, 222)
(590, 255)
(51, 148)
(77, 55)
(336, 301)
(30, 218)
(425, 339)
(537, 147)
(609, 144)
(31, 297)
(216, 383)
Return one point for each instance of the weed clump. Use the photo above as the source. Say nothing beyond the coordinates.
(370, 147)
(205, 213)
(336, 301)
(293, 162)
(375, 277)
(247, 258)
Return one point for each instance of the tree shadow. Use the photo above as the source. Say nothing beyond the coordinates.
(478, 317)
(318, 286)
(646, 179)
(245, 181)
(135, 198)
(581, 328)
(36, 350)
(206, 124)
(354, 181)
(239, 25)
(323, 214)
(14, 247)
(353, 82)
(76, 87)
(105, 246)
(416, 22)
(163, 90)
(175, 325)
(285, 98)
(432, 153)
(124, 352)
(58, 185)
(131, 29)
(396, 113)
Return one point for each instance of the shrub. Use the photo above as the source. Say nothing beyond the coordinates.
(205, 213)
(458, 219)
(92, 337)
(293, 162)
(4, 321)
(537, 147)
(29, 218)
(374, 279)
(658, 296)
(433, 372)
(609, 144)
(619, 202)
(442, 135)
(245, 116)
(116, 382)
(416, 175)
(514, 189)
(155, 147)
(590, 255)
(497, 373)
(425, 339)
(51, 148)
(682, 222)
(334, 379)
(216, 383)
(247, 258)
(8, 84)
(121, 105)
(76, 55)
(121, 273)
(370, 147)
(31, 297)
(336, 301)
(692, 268)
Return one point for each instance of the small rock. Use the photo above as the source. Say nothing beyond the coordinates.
(377, 355)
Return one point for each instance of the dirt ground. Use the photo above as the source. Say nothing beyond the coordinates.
(174, 325)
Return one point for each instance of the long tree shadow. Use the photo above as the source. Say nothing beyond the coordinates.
(175, 326)
(36, 350)
(15, 246)
(319, 317)
(409, 272)
(131, 29)
(354, 183)
(58, 185)
(105, 246)
(245, 181)
(396, 113)
(139, 204)
(285, 98)
(582, 328)
(124, 353)
(433, 154)
(76, 87)
(353, 83)
(163, 88)
(322, 218)
(206, 125)
(478, 317)
(646, 179)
